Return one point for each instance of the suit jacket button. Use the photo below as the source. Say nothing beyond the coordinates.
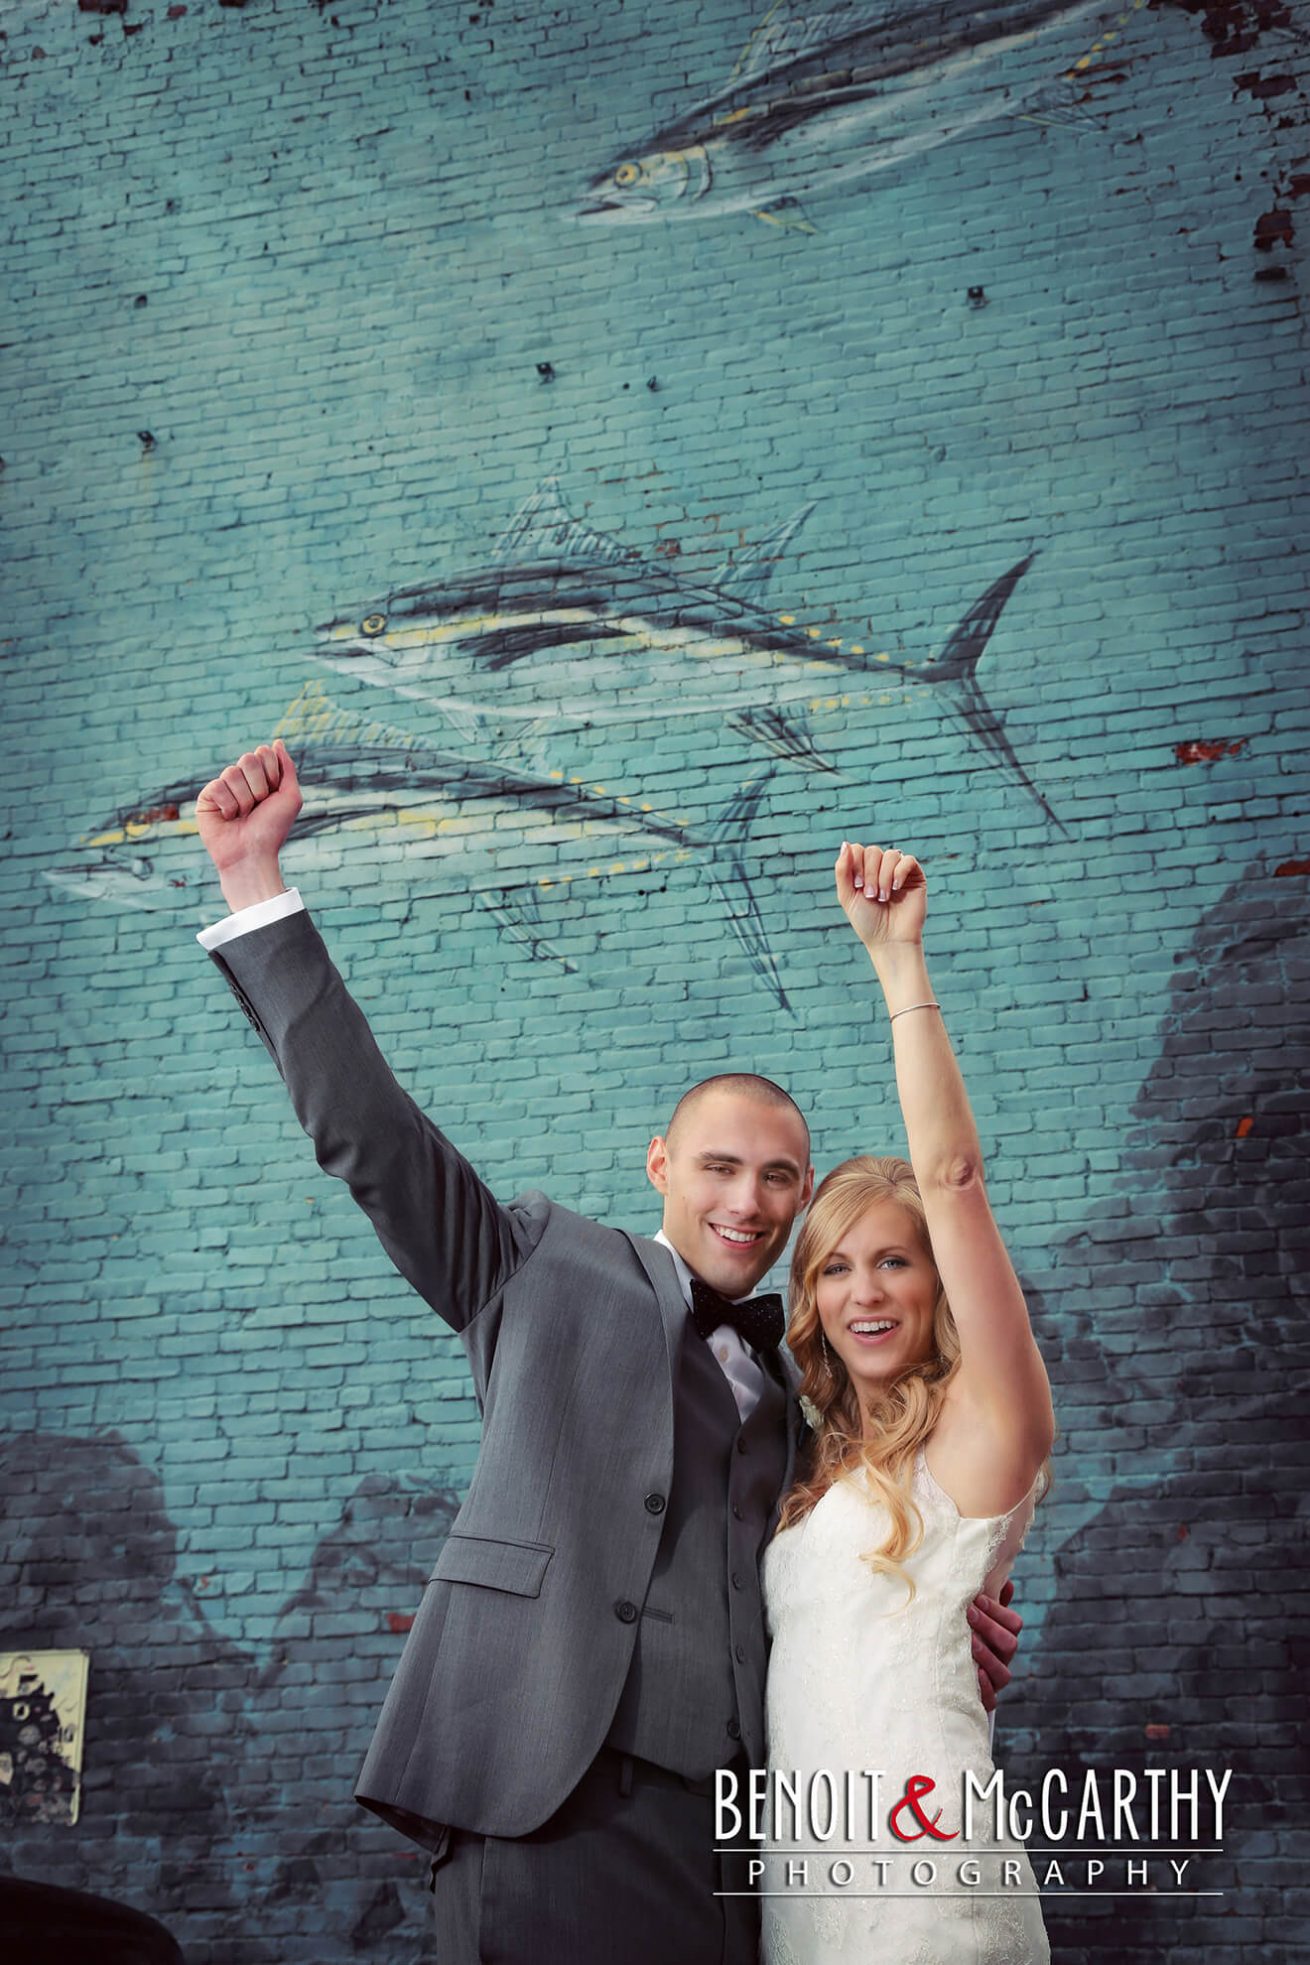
(742, 1446)
(736, 1580)
(625, 1612)
(655, 1504)
(740, 1654)
(734, 1729)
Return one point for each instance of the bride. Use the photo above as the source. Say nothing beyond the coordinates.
(932, 1422)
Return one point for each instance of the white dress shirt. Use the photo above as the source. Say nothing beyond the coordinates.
(257, 915)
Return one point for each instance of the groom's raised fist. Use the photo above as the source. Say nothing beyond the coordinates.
(245, 813)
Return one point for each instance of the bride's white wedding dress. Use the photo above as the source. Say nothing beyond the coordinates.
(860, 1680)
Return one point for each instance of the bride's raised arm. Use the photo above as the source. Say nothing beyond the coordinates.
(997, 1425)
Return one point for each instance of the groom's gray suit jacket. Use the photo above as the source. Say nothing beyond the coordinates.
(534, 1643)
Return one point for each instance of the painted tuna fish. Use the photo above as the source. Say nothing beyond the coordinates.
(820, 99)
(567, 625)
(512, 835)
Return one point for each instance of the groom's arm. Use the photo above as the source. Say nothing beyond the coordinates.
(439, 1223)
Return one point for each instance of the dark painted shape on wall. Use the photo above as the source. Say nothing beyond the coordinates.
(1180, 1633)
(199, 1786)
(85, 1532)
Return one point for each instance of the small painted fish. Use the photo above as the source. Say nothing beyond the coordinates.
(822, 99)
(510, 834)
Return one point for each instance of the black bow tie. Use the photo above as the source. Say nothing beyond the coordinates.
(759, 1320)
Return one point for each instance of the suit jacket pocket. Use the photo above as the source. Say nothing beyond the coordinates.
(514, 1566)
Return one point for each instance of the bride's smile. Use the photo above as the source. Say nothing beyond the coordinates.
(875, 1295)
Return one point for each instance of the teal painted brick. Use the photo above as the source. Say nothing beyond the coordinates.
(350, 274)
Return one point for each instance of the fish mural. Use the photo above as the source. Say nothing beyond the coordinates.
(568, 625)
(821, 99)
(486, 825)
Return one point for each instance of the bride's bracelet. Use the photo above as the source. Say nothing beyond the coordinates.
(912, 1006)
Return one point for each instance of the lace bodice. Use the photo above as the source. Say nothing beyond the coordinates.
(862, 1678)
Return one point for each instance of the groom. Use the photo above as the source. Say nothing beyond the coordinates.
(591, 1644)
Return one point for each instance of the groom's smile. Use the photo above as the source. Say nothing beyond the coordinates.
(734, 1172)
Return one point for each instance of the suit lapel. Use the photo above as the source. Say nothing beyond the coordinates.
(663, 1277)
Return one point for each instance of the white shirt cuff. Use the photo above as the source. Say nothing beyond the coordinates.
(257, 915)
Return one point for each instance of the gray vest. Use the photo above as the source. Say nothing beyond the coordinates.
(694, 1696)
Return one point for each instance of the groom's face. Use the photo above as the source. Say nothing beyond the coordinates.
(734, 1174)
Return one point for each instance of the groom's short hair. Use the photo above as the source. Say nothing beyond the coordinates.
(741, 1084)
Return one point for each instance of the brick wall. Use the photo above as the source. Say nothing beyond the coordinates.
(301, 313)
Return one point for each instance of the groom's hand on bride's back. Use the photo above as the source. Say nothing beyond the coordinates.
(996, 1631)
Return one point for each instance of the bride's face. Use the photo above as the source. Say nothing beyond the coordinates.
(875, 1294)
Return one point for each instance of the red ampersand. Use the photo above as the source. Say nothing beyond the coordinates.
(916, 1787)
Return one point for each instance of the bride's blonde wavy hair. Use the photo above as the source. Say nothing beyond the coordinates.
(905, 1411)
